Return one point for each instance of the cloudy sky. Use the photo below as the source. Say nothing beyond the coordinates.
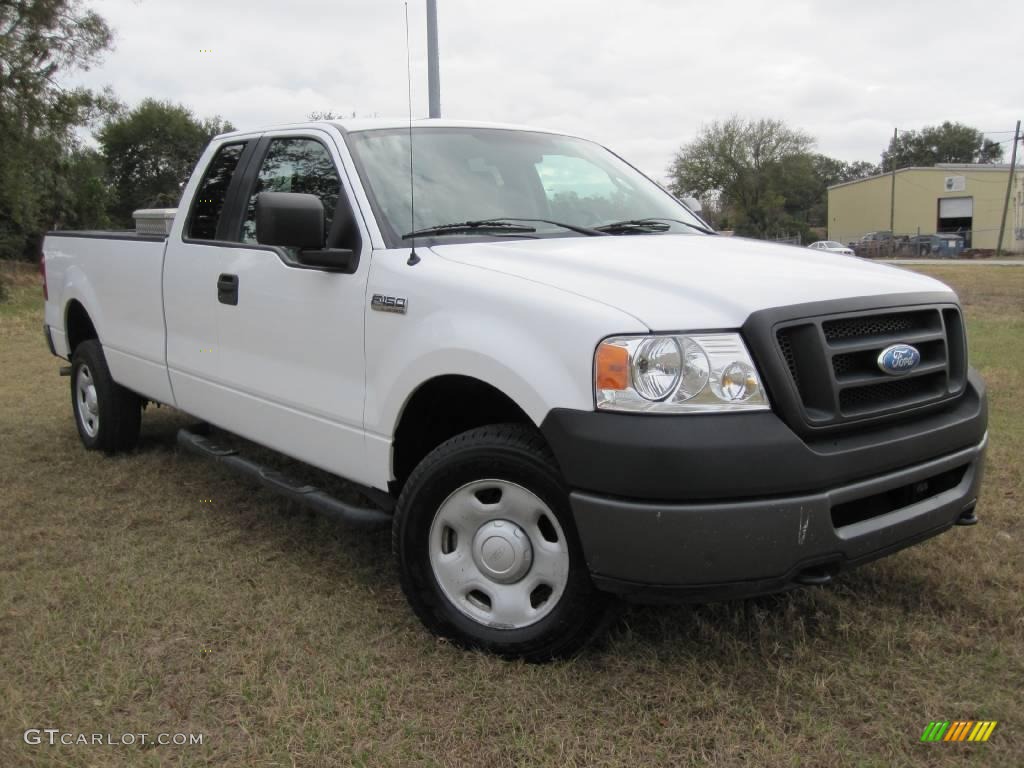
(640, 76)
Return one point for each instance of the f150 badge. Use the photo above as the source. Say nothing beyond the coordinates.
(382, 303)
(899, 359)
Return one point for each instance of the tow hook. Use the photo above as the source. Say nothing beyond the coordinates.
(814, 577)
(967, 517)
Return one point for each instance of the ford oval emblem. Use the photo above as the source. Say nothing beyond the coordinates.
(899, 359)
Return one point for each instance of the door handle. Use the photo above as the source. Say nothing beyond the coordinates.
(227, 289)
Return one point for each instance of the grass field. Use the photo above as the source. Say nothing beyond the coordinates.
(128, 604)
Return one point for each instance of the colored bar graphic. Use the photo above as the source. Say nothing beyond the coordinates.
(959, 730)
(935, 730)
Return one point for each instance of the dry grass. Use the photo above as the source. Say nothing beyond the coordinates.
(128, 605)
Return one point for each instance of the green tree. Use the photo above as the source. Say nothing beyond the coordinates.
(82, 192)
(150, 152)
(804, 184)
(797, 180)
(40, 41)
(858, 169)
(748, 164)
(946, 143)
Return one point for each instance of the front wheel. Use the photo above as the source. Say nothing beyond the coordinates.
(487, 550)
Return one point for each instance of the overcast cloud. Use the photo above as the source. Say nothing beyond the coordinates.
(640, 76)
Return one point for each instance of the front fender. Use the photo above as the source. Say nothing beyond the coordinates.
(532, 342)
(473, 352)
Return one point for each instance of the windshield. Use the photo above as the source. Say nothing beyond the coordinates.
(482, 174)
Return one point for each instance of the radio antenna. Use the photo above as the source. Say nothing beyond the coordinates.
(413, 258)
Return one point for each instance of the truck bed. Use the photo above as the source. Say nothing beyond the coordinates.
(123, 294)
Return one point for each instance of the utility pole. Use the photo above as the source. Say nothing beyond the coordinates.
(892, 190)
(433, 64)
(1009, 188)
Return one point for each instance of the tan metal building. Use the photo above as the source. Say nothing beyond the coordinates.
(947, 198)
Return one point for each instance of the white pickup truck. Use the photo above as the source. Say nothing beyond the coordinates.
(545, 372)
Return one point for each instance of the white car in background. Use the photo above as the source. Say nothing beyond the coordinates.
(832, 247)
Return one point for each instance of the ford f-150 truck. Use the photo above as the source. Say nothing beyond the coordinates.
(546, 373)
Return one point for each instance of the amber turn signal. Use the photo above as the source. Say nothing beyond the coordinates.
(612, 367)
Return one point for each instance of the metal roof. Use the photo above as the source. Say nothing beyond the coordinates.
(1003, 167)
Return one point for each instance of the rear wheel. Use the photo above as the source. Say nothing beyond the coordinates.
(487, 549)
(107, 415)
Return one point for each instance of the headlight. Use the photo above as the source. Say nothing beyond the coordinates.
(656, 367)
(692, 373)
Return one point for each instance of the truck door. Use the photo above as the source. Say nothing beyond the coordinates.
(291, 340)
(192, 266)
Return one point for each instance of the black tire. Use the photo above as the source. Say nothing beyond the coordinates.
(515, 454)
(115, 424)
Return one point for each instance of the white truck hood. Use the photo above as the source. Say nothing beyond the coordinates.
(683, 282)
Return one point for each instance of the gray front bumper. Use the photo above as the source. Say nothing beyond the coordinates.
(725, 549)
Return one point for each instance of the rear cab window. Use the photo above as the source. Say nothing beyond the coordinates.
(212, 192)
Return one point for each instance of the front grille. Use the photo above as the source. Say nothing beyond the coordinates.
(833, 362)
(786, 346)
(888, 393)
(879, 325)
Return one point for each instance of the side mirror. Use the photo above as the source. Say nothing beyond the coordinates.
(289, 219)
(296, 220)
(693, 204)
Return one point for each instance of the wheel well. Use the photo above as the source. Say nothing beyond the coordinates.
(442, 408)
(79, 325)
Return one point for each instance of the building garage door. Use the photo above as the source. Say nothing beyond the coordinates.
(956, 214)
(956, 208)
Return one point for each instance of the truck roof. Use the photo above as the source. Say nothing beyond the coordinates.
(379, 123)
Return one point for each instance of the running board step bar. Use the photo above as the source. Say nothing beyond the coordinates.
(303, 493)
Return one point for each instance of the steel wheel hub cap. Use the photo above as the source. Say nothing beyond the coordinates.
(86, 401)
(90, 401)
(498, 554)
(502, 551)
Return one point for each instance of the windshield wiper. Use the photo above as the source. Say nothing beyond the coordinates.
(498, 224)
(562, 224)
(650, 224)
(492, 225)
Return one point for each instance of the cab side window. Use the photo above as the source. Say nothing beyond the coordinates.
(208, 203)
(295, 165)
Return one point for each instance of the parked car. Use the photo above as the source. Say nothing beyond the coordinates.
(942, 245)
(832, 246)
(874, 244)
(554, 383)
